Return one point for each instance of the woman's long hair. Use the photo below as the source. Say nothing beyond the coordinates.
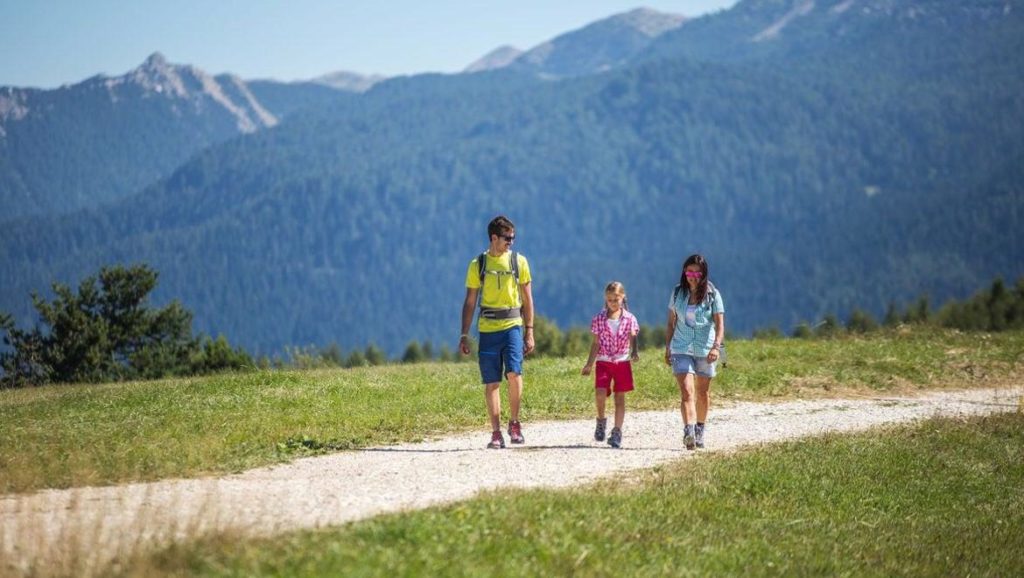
(702, 287)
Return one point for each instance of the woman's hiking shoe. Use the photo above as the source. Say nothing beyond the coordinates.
(698, 435)
(689, 440)
(497, 441)
(615, 440)
(599, 430)
(515, 433)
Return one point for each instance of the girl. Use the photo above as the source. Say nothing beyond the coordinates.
(615, 330)
(696, 327)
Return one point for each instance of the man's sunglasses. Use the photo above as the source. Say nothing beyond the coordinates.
(509, 238)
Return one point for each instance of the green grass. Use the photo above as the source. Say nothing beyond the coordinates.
(942, 498)
(67, 436)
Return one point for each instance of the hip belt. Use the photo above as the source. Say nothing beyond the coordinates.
(500, 313)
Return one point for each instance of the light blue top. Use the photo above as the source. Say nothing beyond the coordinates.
(694, 335)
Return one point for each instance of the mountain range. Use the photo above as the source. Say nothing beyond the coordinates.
(823, 155)
(105, 138)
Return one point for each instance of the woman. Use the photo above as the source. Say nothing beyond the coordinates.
(696, 327)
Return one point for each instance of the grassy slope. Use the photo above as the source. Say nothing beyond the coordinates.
(63, 436)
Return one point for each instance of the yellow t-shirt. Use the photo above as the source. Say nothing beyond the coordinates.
(499, 288)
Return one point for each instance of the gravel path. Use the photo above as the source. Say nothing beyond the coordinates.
(87, 527)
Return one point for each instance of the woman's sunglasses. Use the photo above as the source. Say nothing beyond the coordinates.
(694, 274)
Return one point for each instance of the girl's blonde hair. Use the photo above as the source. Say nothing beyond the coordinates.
(618, 289)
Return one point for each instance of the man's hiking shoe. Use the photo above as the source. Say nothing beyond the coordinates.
(615, 440)
(689, 441)
(515, 432)
(497, 441)
(599, 430)
(698, 435)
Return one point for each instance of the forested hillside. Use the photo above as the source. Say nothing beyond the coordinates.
(816, 184)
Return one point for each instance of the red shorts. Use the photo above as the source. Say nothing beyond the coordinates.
(614, 376)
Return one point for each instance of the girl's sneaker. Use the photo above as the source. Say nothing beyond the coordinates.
(698, 435)
(497, 441)
(599, 430)
(615, 440)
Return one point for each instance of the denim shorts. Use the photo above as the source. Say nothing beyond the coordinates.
(683, 363)
(501, 352)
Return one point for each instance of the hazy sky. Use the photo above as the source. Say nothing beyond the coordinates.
(46, 43)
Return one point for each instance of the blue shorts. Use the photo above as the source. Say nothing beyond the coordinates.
(683, 363)
(501, 353)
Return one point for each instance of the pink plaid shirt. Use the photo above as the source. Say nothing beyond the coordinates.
(613, 345)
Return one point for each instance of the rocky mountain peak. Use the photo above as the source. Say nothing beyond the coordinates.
(596, 47)
(599, 46)
(158, 77)
(156, 61)
(349, 81)
(649, 22)
(498, 58)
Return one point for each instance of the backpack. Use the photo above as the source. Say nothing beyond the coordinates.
(493, 312)
(481, 263)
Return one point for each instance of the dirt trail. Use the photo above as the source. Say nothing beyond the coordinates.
(87, 527)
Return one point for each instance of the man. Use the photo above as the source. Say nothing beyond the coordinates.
(506, 323)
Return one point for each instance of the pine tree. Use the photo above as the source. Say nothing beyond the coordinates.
(332, 355)
(375, 355)
(106, 331)
(892, 316)
(413, 353)
(803, 331)
(547, 337)
(103, 332)
(356, 359)
(861, 322)
(828, 327)
(998, 305)
(446, 354)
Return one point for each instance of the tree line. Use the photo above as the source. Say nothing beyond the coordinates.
(997, 308)
(106, 331)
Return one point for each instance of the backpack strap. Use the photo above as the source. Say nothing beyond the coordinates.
(481, 266)
(710, 294)
(495, 313)
(675, 297)
(515, 267)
